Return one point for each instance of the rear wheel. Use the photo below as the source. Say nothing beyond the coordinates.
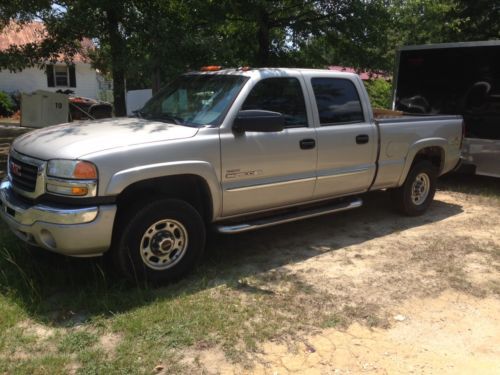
(160, 242)
(417, 192)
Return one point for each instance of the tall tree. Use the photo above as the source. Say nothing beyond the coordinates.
(105, 21)
(355, 35)
(145, 42)
(173, 36)
(21, 10)
(278, 25)
(476, 20)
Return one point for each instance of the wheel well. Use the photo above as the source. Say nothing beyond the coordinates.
(433, 154)
(187, 187)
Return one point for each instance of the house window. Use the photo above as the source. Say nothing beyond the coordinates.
(61, 75)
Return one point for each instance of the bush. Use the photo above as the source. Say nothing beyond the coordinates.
(380, 93)
(7, 107)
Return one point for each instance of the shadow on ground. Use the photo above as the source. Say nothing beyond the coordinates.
(470, 184)
(61, 291)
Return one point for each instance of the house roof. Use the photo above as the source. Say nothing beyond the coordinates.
(35, 32)
(364, 75)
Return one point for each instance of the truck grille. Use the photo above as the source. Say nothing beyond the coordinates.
(23, 175)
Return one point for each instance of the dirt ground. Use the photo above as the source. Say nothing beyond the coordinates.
(417, 296)
(449, 334)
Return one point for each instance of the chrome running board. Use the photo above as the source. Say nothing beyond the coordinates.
(288, 217)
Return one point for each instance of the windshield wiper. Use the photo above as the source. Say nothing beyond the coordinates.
(166, 117)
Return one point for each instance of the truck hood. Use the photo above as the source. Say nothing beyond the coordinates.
(76, 139)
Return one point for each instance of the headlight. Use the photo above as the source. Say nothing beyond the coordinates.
(75, 178)
(72, 169)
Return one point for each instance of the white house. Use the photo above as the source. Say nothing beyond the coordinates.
(78, 77)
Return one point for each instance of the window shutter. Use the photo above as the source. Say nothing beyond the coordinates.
(72, 76)
(49, 70)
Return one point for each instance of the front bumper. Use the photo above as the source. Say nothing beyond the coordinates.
(74, 231)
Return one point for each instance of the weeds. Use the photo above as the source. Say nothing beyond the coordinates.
(234, 301)
(77, 341)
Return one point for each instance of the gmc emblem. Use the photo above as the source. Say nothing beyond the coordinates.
(15, 168)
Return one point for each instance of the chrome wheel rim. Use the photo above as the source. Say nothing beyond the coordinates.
(164, 244)
(420, 189)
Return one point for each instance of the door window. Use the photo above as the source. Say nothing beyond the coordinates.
(337, 100)
(283, 95)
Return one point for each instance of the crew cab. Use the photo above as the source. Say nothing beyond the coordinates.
(234, 150)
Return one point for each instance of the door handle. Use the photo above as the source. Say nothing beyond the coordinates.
(362, 139)
(307, 144)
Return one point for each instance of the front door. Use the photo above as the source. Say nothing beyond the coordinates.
(263, 170)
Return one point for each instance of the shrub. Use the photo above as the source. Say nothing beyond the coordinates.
(6, 105)
(380, 93)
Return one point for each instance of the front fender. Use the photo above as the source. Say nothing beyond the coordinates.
(415, 148)
(120, 180)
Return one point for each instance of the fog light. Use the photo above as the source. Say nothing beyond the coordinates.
(48, 239)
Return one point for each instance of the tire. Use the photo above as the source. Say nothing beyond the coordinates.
(417, 192)
(160, 242)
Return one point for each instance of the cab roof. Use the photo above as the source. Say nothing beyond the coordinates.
(277, 72)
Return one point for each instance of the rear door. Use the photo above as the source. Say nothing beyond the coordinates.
(347, 139)
(263, 170)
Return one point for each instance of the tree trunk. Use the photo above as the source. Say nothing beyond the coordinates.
(156, 79)
(117, 49)
(263, 37)
(119, 92)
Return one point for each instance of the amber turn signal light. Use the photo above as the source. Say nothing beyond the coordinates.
(79, 191)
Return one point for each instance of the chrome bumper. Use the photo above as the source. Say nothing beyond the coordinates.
(75, 231)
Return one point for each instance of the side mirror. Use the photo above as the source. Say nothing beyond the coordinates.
(256, 120)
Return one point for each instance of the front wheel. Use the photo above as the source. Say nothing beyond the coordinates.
(160, 242)
(417, 192)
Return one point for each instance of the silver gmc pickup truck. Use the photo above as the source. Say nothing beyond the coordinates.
(235, 150)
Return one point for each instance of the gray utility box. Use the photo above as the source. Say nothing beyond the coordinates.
(43, 108)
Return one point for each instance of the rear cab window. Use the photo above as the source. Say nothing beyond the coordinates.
(283, 95)
(338, 101)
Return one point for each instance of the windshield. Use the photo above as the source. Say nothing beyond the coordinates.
(194, 100)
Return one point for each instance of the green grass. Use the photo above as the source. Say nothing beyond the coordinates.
(79, 300)
(78, 341)
(47, 364)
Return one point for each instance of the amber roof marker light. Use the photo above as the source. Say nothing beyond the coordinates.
(210, 68)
